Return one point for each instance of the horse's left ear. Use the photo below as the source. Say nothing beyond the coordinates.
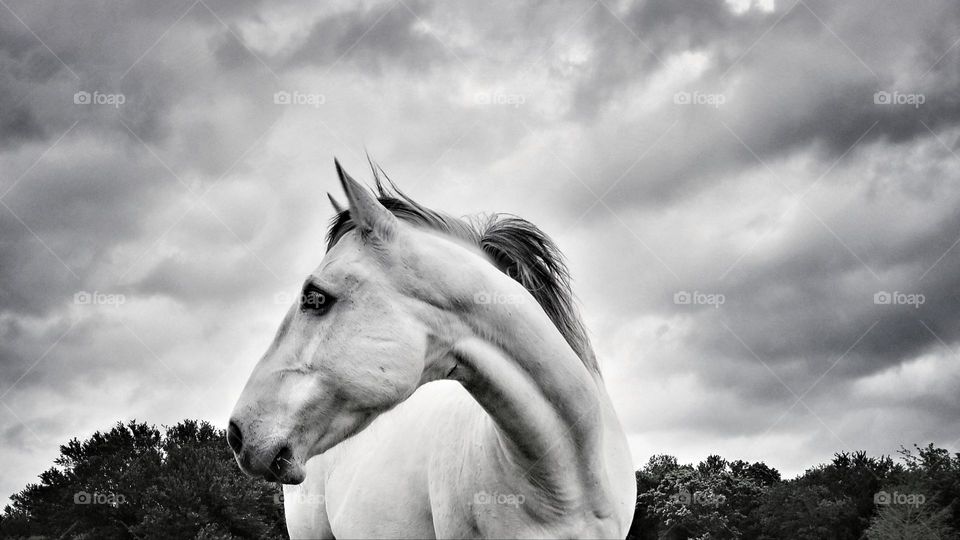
(373, 220)
(337, 207)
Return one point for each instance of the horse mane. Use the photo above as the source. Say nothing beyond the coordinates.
(514, 245)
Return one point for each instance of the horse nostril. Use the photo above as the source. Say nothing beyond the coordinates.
(234, 438)
(282, 460)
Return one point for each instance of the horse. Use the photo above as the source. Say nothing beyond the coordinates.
(435, 380)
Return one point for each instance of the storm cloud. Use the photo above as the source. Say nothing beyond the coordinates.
(758, 200)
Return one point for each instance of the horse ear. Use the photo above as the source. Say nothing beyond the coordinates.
(373, 220)
(337, 207)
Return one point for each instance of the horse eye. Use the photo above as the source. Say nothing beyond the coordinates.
(315, 299)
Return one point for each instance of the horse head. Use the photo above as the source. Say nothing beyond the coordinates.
(351, 348)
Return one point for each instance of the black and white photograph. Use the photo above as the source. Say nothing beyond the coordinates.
(642, 269)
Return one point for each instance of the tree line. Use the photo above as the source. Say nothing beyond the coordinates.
(139, 481)
(854, 496)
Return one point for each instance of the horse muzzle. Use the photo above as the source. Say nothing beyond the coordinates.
(272, 459)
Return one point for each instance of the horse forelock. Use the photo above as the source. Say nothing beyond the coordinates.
(514, 245)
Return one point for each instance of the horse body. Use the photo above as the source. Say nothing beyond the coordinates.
(435, 381)
(418, 471)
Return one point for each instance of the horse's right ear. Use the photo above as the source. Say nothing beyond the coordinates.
(372, 219)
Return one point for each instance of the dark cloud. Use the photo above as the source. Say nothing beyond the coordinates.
(384, 36)
(802, 76)
(23, 65)
(201, 200)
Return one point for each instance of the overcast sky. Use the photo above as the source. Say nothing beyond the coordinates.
(735, 186)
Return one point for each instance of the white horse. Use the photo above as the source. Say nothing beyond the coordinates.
(435, 380)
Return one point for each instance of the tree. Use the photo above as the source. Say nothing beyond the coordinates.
(836, 500)
(934, 472)
(803, 511)
(715, 499)
(134, 481)
(905, 512)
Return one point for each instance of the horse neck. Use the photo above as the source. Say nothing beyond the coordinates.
(546, 406)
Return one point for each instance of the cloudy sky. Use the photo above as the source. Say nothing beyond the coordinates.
(737, 187)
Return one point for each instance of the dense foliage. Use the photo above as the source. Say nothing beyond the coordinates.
(853, 497)
(137, 481)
